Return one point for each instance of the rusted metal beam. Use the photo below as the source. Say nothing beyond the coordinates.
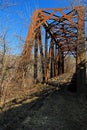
(52, 60)
(46, 44)
(35, 58)
(60, 62)
(42, 55)
(66, 34)
(81, 56)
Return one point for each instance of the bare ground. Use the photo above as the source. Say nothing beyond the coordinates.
(51, 109)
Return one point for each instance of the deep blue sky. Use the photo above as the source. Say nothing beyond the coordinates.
(16, 19)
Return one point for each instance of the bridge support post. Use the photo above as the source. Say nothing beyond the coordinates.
(60, 62)
(81, 57)
(46, 53)
(42, 56)
(55, 61)
(52, 61)
(35, 59)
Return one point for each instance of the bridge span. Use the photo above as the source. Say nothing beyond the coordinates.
(63, 31)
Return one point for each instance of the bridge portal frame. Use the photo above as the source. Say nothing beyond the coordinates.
(63, 40)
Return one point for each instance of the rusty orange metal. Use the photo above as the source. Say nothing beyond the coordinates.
(65, 31)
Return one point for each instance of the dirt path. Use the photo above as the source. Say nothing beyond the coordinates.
(59, 110)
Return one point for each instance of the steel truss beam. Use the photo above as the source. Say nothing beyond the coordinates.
(66, 34)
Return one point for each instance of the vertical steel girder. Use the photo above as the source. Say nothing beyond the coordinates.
(81, 56)
(60, 62)
(35, 58)
(66, 32)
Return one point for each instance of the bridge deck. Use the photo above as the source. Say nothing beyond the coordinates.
(65, 78)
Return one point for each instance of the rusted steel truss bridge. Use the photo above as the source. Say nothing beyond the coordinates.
(64, 32)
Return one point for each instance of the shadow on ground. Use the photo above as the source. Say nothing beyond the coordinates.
(54, 110)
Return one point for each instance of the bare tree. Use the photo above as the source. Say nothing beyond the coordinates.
(5, 58)
(81, 3)
(5, 67)
(4, 4)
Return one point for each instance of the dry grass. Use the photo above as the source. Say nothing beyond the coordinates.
(60, 110)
